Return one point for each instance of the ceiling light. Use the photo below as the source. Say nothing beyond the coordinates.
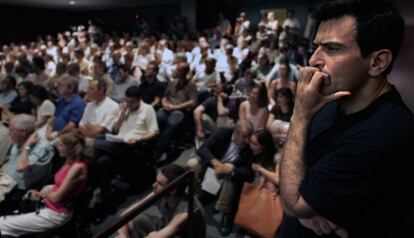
(72, 2)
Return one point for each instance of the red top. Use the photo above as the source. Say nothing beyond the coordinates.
(64, 206)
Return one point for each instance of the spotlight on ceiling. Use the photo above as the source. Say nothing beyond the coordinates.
(72, 2)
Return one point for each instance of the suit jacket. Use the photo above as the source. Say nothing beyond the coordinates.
(215, 147)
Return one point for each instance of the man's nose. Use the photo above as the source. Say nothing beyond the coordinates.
(316, 59)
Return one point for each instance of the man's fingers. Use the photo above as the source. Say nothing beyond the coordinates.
(306, 73)
(325, 228)
(318, 79)
(341, 232)
(316, 227)
(336, 96)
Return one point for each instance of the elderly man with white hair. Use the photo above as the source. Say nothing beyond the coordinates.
(29, 160)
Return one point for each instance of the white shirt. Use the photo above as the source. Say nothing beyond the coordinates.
(139, 122)
(104, 114)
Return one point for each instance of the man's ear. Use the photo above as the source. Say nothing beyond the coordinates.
(380, 60)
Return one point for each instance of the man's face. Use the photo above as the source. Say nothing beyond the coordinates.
(150, 71)
(64, 89)
(132, 103)
(93, 90)
(122, 74)
(160, 182)
(241, 137)
(338, 55)
(17, 135)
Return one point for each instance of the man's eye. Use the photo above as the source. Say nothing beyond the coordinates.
(331, 49)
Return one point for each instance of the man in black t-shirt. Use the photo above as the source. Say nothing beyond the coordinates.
(214, 107)
(152, 89)
(347, 161)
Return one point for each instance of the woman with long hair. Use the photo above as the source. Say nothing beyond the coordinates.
(254, 109)
(69, 183)
(264, 150)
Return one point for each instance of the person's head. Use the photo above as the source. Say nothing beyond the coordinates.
(166, 175)
(210, 65)
(258, 95)
(21, 126)
(250, 75)
(123, 71)
(97, 89)
(71, 145)
(116, 56)
(8, 83)
(74, 69)
(38, 94)
(284, 67)
(133, 98)
(357, 40)
(290, 13)
(99, 68)
(262, 143)
(67, 86)
(61, 68)
(22, 70)
(242, 132)
(284, 97)
(270, 16)
(38, 64)
(24, 88)
(9, 67)
(182, 70)
(79, 54)
(152, 70)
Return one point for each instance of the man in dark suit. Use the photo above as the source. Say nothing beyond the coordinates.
(227, 152)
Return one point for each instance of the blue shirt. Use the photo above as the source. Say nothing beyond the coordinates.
(68, 111)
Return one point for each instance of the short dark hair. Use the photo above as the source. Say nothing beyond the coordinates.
(124, 67)
(133, 92)
(102, 85)
(379, 23)
(39, 62)
(27, 85)
(171, 172)
(39, 92)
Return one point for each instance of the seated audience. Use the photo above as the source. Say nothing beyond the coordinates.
(28, 161)
(22, 103)
(254, 109)
(69, 108)
(69, 183)
(44, 108)
(135, 128)
(7, 91)
(180, 97)
(227, 153)
(283, 81)
(279, 117)
(152, 90)
(123, 81)
(173, 207)
(100, 113)
(208, 113)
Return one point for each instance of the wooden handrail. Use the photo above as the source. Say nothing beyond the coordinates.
(145, 203)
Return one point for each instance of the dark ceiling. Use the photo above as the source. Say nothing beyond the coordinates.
(84, 4)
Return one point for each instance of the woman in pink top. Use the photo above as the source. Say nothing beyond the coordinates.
(70, 182)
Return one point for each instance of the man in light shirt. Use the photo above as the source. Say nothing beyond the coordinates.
(100, 114)
(136, 128)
